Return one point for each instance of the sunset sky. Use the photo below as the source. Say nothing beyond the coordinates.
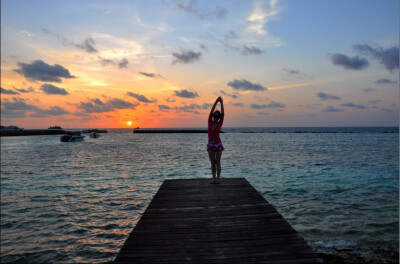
(100, 64)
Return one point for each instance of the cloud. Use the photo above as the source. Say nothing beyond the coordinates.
(105, 62)
(52, 111)
(123, 63)
(186, 56)
(191, 8)
(385, 81)
(151, 75)
(387, 110)
(87, 45)
(18, 104)
(250, 50)
(204, 47)
(325, 96)
(98, 106)
(331, 109)
(186, 108)
(293, 71)
(260, 17)
(367, 90)
(234, 96)
(38, 70)
(6, 91)
(360, 106)
(229, 46)
(5, 113)
(121, 104)
(374, 101)
(141, 98)
(238, 104)
(170, 100)
(270, 105)
(18, 107)
(186, 94)
(51, 89)
(350, 63)
(231, 35)
(245, 85)
(164, 107)
(388, 57)
(29, 90)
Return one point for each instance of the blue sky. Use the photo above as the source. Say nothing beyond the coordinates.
(322, 63)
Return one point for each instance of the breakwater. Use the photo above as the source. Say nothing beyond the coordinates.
(31, 132)
(173, 130)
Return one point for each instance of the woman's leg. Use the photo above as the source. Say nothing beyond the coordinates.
(218, 164)
(211, 154)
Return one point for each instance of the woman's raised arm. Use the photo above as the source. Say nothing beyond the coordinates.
(215, 104)
(222, 105)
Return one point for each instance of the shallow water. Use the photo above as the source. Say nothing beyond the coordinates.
(77, 202)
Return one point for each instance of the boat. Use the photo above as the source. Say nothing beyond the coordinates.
(94, 135)
(72, 136)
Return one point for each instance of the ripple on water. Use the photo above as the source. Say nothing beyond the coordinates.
(77, 203)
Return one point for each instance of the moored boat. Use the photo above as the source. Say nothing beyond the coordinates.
(72, 136)
(94, 135)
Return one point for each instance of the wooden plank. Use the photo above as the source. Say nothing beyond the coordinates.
(191, 220)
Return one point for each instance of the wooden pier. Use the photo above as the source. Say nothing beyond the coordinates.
(193, 221)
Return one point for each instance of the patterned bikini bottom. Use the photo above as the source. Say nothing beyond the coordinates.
(215, 147)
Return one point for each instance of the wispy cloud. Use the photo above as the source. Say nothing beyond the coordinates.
(151, 75)
(331, 109)
(191, 7)
(192, 108)
(248, 50)
(234, 96)
(270, 105)
(385, 81)
(123, 63)
(245, 85)
(353, 105)
(98, 106)
(368, 90)
(231, 35)
(19, 108)
(141, 98)
(259, 17)
(21, 90)
(87, 45)
(388, 57)
(295, 73)
(325, 96)
(7, 91)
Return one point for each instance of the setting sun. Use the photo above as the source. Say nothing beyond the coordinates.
(129, 123)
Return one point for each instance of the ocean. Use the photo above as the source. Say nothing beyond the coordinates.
(77, 202)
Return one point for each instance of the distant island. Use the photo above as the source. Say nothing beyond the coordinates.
(55, 127)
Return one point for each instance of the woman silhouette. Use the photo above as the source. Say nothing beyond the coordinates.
(214, 146)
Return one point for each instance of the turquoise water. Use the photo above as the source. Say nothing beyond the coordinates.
(77, 202)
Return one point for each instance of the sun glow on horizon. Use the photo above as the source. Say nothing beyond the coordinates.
(129, 123)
